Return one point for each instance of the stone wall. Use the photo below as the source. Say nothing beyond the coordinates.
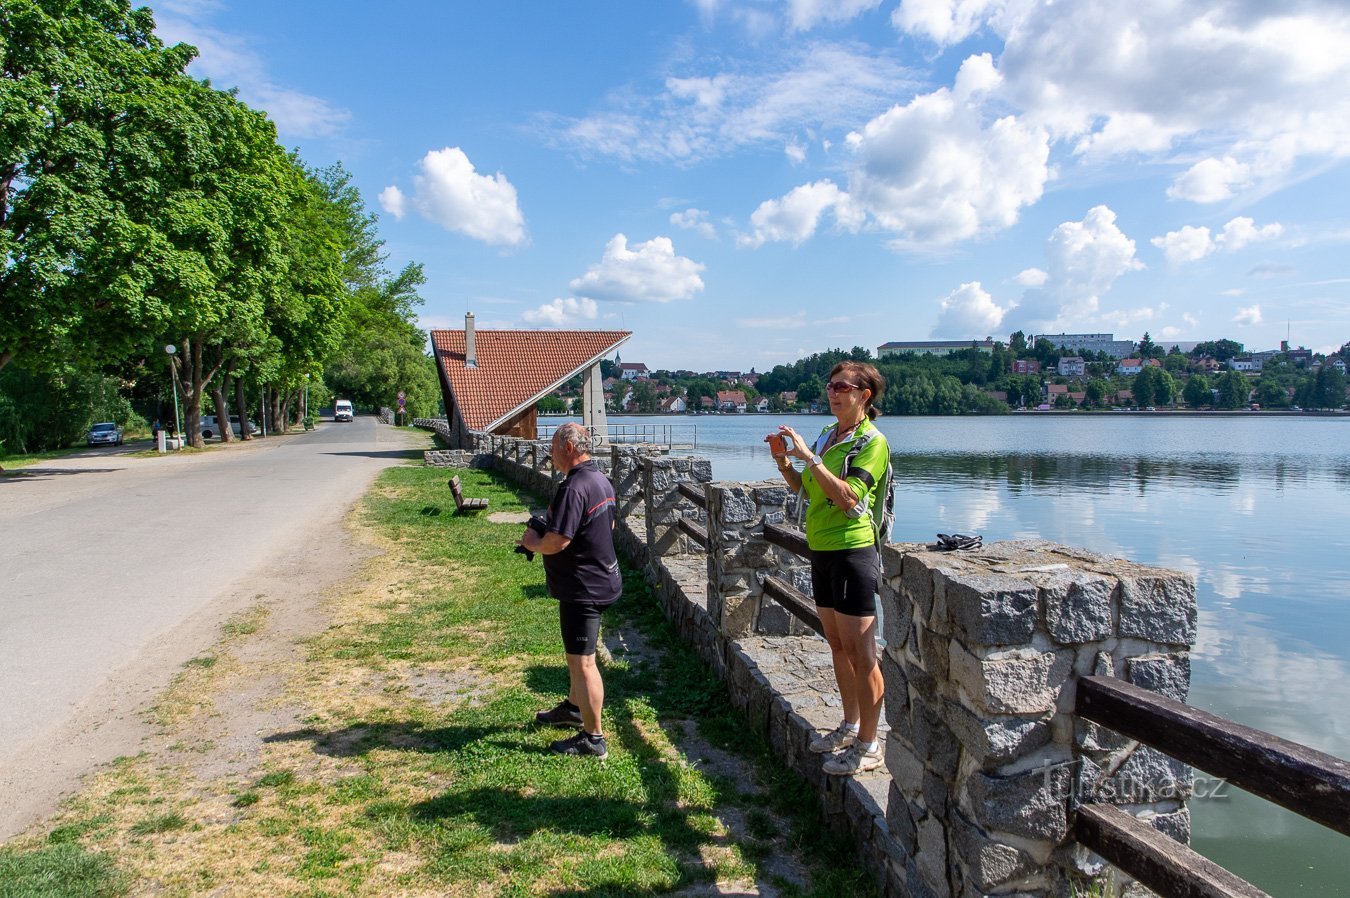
(985, 759)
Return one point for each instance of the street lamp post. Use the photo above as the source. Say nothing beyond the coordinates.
(173, 386)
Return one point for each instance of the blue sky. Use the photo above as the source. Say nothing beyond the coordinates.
(745, 183)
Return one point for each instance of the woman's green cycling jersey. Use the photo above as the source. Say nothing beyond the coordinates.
(828, 527)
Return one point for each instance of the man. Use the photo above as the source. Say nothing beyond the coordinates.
(582, 571)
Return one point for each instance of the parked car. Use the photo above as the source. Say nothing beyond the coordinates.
(104, 433)
(342, 410)
(210, 426)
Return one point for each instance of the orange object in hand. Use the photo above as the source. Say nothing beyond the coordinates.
(779, 445)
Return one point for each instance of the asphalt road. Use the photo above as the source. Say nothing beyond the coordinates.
(113, 567)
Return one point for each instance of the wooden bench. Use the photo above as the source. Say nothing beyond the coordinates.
(465, 504)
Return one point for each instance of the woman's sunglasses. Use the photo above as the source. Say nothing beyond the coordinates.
(840, 386)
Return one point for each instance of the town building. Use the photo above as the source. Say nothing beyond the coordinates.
(633, 370)
(1072, 366)
(673, 405)
(1131, 367)
(491, 379)
(1107, 343)
(932, 347)
(731, 401)
(1026, 366)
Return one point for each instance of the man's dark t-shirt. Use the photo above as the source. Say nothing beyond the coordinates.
(583, 511)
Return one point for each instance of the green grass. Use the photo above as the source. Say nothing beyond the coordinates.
(13, 462)
(513, 814)
(61, 870)
(159, 823)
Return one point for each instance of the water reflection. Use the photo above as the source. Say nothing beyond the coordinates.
(1076, 472)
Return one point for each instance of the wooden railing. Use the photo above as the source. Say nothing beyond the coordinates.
(695, 495)
(798, 603)
(1306, 781)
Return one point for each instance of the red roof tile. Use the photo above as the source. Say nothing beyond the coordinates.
(515, 368)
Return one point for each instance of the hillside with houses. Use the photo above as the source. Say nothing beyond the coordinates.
(1039, 372)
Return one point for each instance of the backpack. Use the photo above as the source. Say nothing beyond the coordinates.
(883, 509)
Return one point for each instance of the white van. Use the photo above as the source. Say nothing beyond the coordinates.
(342, 410)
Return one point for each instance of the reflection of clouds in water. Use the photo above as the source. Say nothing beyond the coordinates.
(1294, 690)
(1243, 503)
(970, 512)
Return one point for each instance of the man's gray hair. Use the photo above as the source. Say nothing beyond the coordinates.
(574, 433)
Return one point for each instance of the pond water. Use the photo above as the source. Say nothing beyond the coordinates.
(1255, 508)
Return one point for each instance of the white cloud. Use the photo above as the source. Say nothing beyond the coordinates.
(804, 14)
(1249, 316)
(1246, 88)
(795, 151)
(934, 170)
(1084, 259)
(394, 202)
(945, 22)
(695, 220)
(1241, 231)
(1186, 245)
(649, 272)
(796, 216)
(710, 113)
(1031, 277)
(562, 312)
(1211, 180)
(968, 312)
(449, 192)
(1191, 244)
(230, 62)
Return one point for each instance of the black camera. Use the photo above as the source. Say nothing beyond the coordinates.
(539, 526)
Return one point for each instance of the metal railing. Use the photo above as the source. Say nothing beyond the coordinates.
(669, 436)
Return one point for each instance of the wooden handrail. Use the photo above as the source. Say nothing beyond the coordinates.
(796, 602)
(1304, 780)
(692, 493)
(1164, 865)
(789, 538)
(694, 530)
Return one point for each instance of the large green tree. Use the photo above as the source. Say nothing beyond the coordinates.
(1197, 392)
(80, 81)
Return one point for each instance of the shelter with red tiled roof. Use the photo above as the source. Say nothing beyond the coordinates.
(491, 379)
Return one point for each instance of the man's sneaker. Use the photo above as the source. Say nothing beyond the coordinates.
(582, 744)
(856, 760)
(563, 714)
(837, 738)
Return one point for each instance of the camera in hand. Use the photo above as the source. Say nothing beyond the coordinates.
(539, 526)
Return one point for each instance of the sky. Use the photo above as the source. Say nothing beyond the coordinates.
(742, 184)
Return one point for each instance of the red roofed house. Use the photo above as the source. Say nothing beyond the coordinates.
(492, 379)
(731, 401)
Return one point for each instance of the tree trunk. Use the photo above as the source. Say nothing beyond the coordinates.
(241, 406)
(286, 408)
(5, 358)
(274, 406)
(223, 410)
(192, 384)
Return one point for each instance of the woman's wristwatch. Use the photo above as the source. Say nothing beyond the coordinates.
(815, 460)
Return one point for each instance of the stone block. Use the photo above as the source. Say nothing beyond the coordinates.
(995, 741)
(932, 855)
(896, 694)
(892, 561)
(896, 617)
(1020, 681)
(900, 820)
(917, 584)
(905, 766)
(1029, 804)
(1149, 776)
(1168, 675)
(934, 741)
(988, 863)
(933, 652)
(1158, 606)
(1078, 607)
(989, 609)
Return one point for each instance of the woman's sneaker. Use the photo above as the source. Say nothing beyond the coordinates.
(582, 744)
(837, 738)
(856, 760)
(563, 714)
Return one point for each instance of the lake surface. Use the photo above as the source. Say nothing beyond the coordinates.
(1255, 508)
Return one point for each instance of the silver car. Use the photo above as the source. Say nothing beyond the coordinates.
(104, 433)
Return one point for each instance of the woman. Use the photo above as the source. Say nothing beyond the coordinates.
(841, 486)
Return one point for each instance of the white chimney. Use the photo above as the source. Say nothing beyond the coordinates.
(470, 355)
